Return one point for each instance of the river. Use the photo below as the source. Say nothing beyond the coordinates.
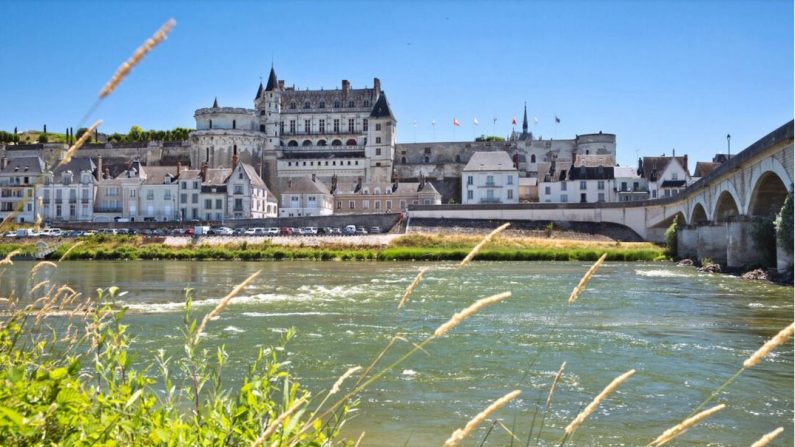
(683, 332)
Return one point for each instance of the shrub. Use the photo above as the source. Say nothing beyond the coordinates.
(784, 225)
(763, 236)
(548, 229)
(671, 243)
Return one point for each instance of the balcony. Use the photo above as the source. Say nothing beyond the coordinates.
(108, 210)
(490, 200)
(72, 200)
(490, 185)
(326, 149)
(85, 200)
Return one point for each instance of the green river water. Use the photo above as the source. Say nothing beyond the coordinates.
(683, 332)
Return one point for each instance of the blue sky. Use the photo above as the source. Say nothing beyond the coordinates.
(660, 75)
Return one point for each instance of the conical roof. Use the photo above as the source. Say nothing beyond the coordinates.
(273, 83)
(215, 103)
(381, 108)
(259, 91)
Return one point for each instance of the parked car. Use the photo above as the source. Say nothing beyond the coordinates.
(326, 230)
(250, 231)
(26, 232)
(51, 232)
(336, 231)
(222, 231)
(375, 230)
(298, 231)
(239, 231)
(361, 230)
(273, 231)
(260, 231)
(310, 230)
(10, 234)
(286, 231)
(350, 229)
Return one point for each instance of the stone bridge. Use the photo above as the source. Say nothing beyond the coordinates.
(716, 210)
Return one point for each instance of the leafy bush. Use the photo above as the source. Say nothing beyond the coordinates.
(671, 242)
(784, 225)
(763, 236)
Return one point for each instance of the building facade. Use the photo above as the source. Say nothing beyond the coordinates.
(490, 177)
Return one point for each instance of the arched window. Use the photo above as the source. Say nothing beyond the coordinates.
(234, 149)
(211, 124)
(336, 143)
(306, 143)
(427, 159)
(336, 104)
(234, 124)
(292, 143)
(321, 142)
(322, 105)
(350, 142)
(351, 104)
(262, 128)
(532, 158)
(307, 105)
(366, 103)
(403, 160)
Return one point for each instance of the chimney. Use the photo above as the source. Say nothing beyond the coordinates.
(179, 167)
(346, 86)
(204, 171)
(314, 178)
(376, 87)
(235, 159)
(106, 174)
(99, 167)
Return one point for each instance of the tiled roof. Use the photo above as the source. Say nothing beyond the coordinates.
(34, 165)
(704, 167)
(305, 185)
(381, 108)
(76, 165)
(658, 165)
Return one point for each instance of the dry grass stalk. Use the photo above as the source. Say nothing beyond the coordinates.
(485, 241)
(359, 441)
(411, 287)
(462, 433)
(597, 400)
(765, 440)
(79, 143)
(69, 250)
(42, 264)
(587, 277)
(677, 430)
(336, 388)
(139, 54)
(555, 383)
(7, 260)
(222, 305)
(468, 312)
(780, 338)
(278, 421)
(39, 285)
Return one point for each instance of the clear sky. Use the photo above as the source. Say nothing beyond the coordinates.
(660, 75)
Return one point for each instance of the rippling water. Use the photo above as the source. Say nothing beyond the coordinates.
(683, 332)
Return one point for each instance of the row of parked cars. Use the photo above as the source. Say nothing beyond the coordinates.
(200, 230)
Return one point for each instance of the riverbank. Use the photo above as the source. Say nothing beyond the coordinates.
(426, 247)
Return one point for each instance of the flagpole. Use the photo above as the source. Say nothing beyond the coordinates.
(433, 124)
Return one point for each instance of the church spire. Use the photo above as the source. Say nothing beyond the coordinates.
(215, 103)
(273, 83)
(524, 121)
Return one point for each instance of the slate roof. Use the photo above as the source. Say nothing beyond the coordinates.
(625, 172)
(381, 108)
(704, 167)
(672, 183)
(77, 165)
(273, 83)
(591, 173)
(400, 188)
(653, 167)
(305, 185)
(155, 175)
(490, 161)
(259, 91)
(34, 165)
(253, 175)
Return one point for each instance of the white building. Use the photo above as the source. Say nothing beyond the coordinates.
(66, 194)
(666, 176)
(17, 188)
(306, 197)
(490, 177)
(382, 197)
(581, 184)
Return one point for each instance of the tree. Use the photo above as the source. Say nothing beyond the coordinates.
(484, 138)
(671, 243)
(80, 133)
(784, 225)
(135, 134)
(43, 138)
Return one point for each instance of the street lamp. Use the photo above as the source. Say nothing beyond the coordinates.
(729, 144)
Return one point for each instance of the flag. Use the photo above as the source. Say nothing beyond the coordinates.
(494, 121)
(455, 122)
(535, 119)
(513, 121)
(475, 121)
(557, 120)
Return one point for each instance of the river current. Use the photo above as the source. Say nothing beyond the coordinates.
(684, 332)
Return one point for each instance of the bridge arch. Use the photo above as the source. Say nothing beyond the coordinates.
(726, 186)
(769, 186)
(726, 207)
(698, 213)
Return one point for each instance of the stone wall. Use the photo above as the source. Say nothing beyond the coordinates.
(613, 231)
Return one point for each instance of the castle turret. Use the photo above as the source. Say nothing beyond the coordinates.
(381, 138)
(268, 106)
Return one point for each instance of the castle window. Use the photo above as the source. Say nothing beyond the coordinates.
(378, 126)
(378, 151)
(292, 105)
(211, 124)
(321, 142)
(292, 143)
(350, 125)
(322, 104)
(366, 103)
(457, 158)
(403, 160)
(532, 158)
(234, 124)
(364, 125)
(262, 128)
(427, 159)
(292, 127)
(351, 104)
(350, 142)
(321, 126)
(336, 143)
(336, 126)
(427, 151)
(261, 113)
(306, 104)
(281, 127)
(336, 104)
(377, 140)
(307, 126)
(306, 143)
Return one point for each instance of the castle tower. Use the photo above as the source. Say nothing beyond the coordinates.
(268, 106)
(381, 136)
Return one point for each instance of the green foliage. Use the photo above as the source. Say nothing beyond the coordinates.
(783, 225)
(79, 385)
(671, 243)
(548, 229)
(484, 138)
(42, 138)
(763, 236)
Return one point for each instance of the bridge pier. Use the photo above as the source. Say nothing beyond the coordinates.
(783, 259)
(687, 242)
(740, 250)
(712, 243)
